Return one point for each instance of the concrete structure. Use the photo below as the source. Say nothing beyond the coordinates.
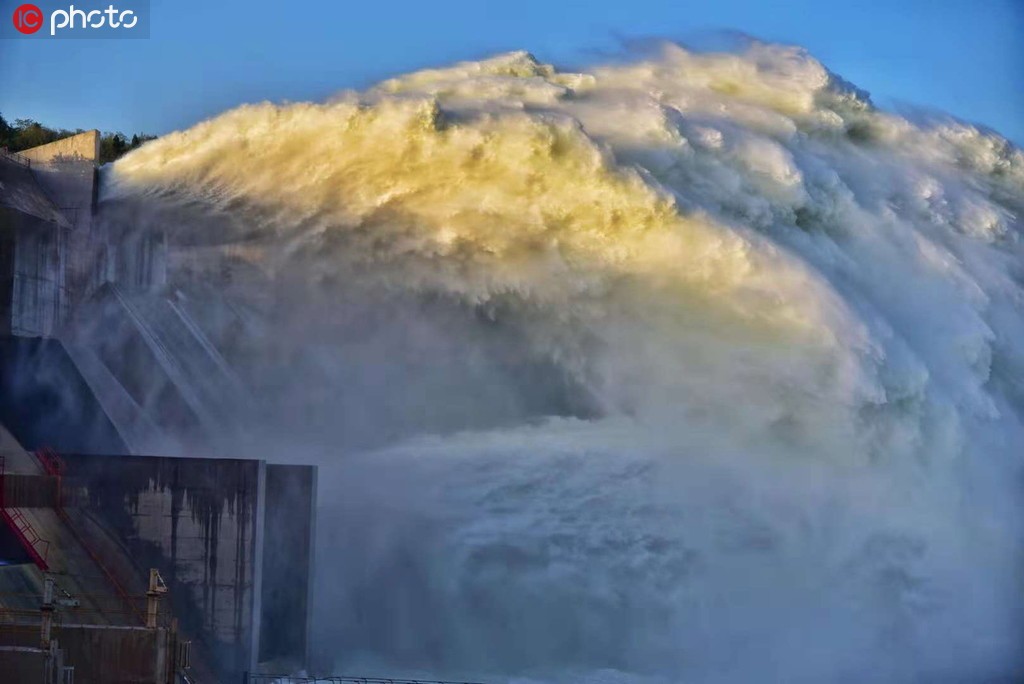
(48, 195)
(84, 146)
(67, 172)
(96, 654)
(101, 362)
(98, 523)
(149, 361)
(66, 169)
(53, 253)
(204, 523)
(62, 603)
(34, 238)
(46, 402)
(141, 351)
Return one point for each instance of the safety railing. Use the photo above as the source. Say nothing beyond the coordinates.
(35, 546)
(54, 466)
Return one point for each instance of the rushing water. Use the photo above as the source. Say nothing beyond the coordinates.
(690, 367)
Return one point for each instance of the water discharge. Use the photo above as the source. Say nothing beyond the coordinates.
(689, 367)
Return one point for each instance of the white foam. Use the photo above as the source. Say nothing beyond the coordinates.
(800, 317)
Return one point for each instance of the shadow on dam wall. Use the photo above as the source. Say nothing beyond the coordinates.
(45, 402)
(98, 360)
(205, 524)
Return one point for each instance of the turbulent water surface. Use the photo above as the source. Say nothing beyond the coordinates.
(687, 367)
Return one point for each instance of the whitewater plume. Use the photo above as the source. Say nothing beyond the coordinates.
(690, 367)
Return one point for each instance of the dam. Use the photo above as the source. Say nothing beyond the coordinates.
(124, 555)
(683, 367)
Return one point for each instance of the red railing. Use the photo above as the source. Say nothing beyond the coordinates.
(54, 466)
(36, 547)
(51, 462)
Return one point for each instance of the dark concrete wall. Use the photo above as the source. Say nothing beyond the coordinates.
(44, 401)
(72, 186)
(34, 253)
(7, 243)
(120, 339)
(28, 491)
(32, 268)
(204, 523)
(22, 666)
(12, 552)
(196, 521)
(53, 254)
(39, 296)
(22, 192)
(99, 655)
(287, 565)
(115, 655)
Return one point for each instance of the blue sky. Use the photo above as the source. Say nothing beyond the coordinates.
(965, 57)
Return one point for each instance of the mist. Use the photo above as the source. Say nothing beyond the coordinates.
(686, 367)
